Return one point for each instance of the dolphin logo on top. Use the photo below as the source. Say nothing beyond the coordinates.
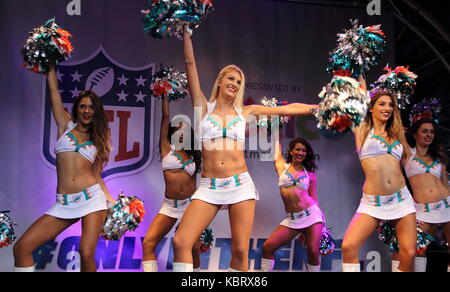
(127, 100)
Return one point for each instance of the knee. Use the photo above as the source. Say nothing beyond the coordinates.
(349, 247)
(313, 252)
(269, 248)
(240, 252)
(409, 252)
(179, 243)
(21, 248)
(149, 245)
(87, 254)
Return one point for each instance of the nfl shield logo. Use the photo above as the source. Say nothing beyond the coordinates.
(128, 105)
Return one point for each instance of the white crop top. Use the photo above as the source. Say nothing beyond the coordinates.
(174, 161)
(416, 166)
(377, 146)
(211, 129)
(286, 179)
(69, 143)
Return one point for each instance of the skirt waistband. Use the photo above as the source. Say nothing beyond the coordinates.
(226, 183)
(429, 207)
(379, 201)
(82, 196)
(177, 203)
(302, 214)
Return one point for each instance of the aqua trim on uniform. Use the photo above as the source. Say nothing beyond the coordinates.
(213, 184)
(237, 180)
(386, 144)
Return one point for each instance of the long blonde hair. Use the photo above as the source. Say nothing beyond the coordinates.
(394, 126)
(239, 101)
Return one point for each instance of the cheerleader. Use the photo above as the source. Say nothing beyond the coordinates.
(427, 174)
(179, 168)
(381, 145)
(225, 181)
(82, 150)
(297, 182)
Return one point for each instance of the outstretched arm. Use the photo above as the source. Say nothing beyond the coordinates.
(293, 109)
(62, 117)
(197, 96)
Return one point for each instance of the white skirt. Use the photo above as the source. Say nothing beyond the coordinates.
(72, 206)
(391, 207)
(226, 191)
(174, 208)
(435, 213)
(304, 219)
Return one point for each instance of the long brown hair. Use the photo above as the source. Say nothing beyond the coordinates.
(394, 126)
(437, 149)
(98, 130)
(310, 159)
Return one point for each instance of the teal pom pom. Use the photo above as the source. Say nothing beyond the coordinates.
(166, 18)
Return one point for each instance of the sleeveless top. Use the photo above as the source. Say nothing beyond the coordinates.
(69, 143)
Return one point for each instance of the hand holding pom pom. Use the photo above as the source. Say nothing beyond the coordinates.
(358, 50)
(48, 44)
(125, 215)
(169, 82)
(167, 18)
(344, 105)
(400, 82)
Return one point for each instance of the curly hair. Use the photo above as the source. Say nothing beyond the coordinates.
(310, 159)
(98, 131)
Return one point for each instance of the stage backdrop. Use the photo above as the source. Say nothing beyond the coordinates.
(282, 48)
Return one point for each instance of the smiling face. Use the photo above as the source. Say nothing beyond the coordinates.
(85, 111)
(424, 135)
(383, 109)
(230, 84)
(299, 153)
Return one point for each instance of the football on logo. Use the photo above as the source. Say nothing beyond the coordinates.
(101, 81)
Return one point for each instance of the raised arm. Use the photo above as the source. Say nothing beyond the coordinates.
(197, 96)
(164, 143)
(62, 117)
(357, 130)
(279, 161)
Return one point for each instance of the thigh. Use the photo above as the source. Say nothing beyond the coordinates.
(282, 235)
(429, 228)
(196, 218)
(160, 226)
(92, 226)
(359, 229)
(43, 230)
(241, 221)
(406, 229)
(313, 235)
